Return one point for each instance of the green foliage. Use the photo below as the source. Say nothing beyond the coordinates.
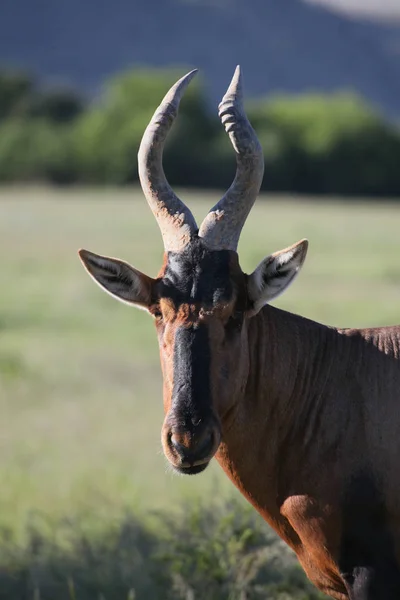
(20, 96)
(57, 106)
(216, 551)
(327, 144)
(224, 550)
(35, 150)
(313, 143)
(35, 144)
(15, 89)
(107, 137)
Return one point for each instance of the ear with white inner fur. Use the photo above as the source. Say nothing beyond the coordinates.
(274, 274)
(119, 279)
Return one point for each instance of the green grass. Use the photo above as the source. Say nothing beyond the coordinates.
(80, 383)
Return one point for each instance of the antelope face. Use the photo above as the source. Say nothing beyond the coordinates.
(201, 300)
(199, 312)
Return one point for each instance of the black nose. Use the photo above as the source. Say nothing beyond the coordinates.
(195, 445)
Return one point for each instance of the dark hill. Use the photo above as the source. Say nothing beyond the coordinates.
(283, 45)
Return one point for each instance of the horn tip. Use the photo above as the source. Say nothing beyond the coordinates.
(175, 93)
(237, 79)
(235, 89)
(186, 79)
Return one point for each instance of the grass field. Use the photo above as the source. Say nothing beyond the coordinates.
(80, 385)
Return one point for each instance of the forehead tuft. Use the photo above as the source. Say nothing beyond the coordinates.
(199, 275)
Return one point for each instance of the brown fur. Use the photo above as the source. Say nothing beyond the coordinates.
(306, 422)
(299, 422)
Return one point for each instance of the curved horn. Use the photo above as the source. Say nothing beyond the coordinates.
(222, 226)
(175, 220)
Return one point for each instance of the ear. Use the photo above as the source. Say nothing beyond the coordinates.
(118, 279)
(275, 273)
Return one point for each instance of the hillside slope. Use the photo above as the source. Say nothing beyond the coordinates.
(375, 9)
(288, 46)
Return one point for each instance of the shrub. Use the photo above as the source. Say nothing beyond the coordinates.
(215, 551)
(313, 144)
(15, 90)
(327, 144)
(108, 136)
(35, 150)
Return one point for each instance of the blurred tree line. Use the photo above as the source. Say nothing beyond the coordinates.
(313, 144)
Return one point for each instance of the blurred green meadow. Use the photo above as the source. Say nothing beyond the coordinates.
(80, 382)
(80, 379)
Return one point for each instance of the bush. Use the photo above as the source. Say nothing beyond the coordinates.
(21, 97)
(213, 552)
(15, 89)
(35, 150)
(225, 551)
(56, 106)
(313, 144)
(327, 145)
(107, 138)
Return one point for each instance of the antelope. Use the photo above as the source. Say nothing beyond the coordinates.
(302, 417)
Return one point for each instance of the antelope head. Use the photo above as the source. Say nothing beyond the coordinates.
(201, 301)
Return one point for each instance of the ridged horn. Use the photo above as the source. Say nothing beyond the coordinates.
(175, 220)
(222, 226)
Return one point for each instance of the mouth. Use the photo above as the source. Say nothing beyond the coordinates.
(191, 470)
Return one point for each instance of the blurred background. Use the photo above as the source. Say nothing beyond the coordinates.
(88, 506)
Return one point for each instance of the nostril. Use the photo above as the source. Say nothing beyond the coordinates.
(207, 441)
(175, 442)
(173, 439)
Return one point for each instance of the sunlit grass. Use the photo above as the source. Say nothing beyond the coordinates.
(80, 384)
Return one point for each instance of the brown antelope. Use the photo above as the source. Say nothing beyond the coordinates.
(302, 417)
